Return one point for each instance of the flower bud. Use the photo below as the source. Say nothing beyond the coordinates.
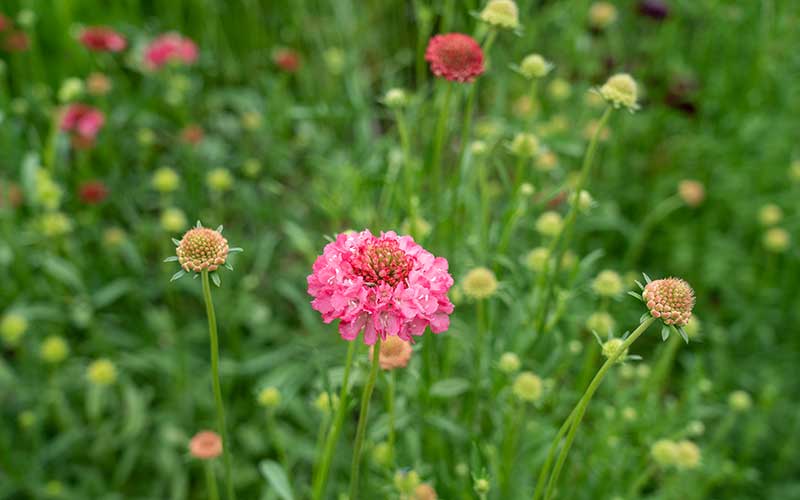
(670, 299)
(219, 179)
(691, 192)
(54, 349)
(770, 214)
(479, 283)
(165, 179)
(173, 220)
(600, 322)
(202, 249)
(602, 15)
(525, 145)
(12, 327)
(620, 90)
(395, 98)
(740, 401)
(536, 259)
(607, 283)
(776, 240)
(664, 452)
(527, 387)
(269, 397)
(509, 363)
(549, 224)
(101, 372)
(501, 14)
(535, 66)
(481, 486)
(688, 456)
(613, 347)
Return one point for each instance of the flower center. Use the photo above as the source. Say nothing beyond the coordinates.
(381, 262)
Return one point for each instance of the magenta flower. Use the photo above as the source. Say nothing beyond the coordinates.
(83, 121)
(385, 285)
(102, 39)
(169, 48)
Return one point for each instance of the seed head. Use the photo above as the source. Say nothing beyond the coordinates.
(166, 180)
(740, 401)
(54, 349)
(535, 66)
(202, 249)
(664, 452)
(395, 353)
(101, 372)
(509, 363)
(395, 98)
(501, 14)
(602, 15)
(612, 347)
(620, 90)
(770, 214)
(536, 259)
(549, 224)
(601, 322)
(173, 220)
(525, 145)
(777, 240)
(528, 387)
(269, 397)
(608, 283)
(670, 299)
(688, 456)
(691, 192)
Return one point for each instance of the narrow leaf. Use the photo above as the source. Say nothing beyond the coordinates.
(219, 229)
(640, 285)
(449, 387)
(176, 242)
(215, 279)
(177, 275)
(683, 334)
(235, 250)
(198, 224)
(646, 278)
(276, 476)
(171, 258)
(635, 295)
(228, 266)
(664, 333)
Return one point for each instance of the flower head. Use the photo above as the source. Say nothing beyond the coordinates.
(612, 347)
(102, 372)
(17, 41)
(664, 452)
(670, 299)
(691, 192)
(602, 15)
(202, 249)
(12, 327)
(166, 180)
(395, 353)
(205, 445)
(92, 192)
(770, 214)
(173, 220)
(509, 363)
(740, 401)
(777, 240)
(395, 98)
(169, 48)
(82, 121)
(425, 491)
(620, 90)
(527, 387)
(98, 84)
(535, 66)
(269, 397)
(688, 455)
(385, 285)
(102, 39)
(607, 283)
(549, 224)
(525, 145)
(501, 14)
(219, 179)
(54, 349)
(455, 56)
(601, 322)
(479, 283)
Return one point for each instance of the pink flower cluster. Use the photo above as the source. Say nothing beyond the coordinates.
(102, 39)
(670, 299)
(385, 285)
(169, 48)
(455, 56)
(84, 122)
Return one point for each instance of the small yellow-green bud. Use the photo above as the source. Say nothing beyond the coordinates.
(546, 161)
(165, 179)
(334, 60)
(602, 15)
(71, 89)
(664, 452)
(323, 403)
(575, 346)
(501, 14)
(794, 171)
(406, 482)
(613, 347)
(482, 486)
(145, 136)
(173, 220)
(101, 372)
(54, 349)
(600, 322)
(528, 387)
(777, 240)
(740, 401)
(629, 413)
(509, 363)
(608, 283)
(549, 224)
(478, 148)
(620, 90)
(696, 428)
(219, 179)
(395, 98)
(269, 397)
(688, 456)
(382, 454)
(12, 327)
(770, 214)
(559, 89)
(55, 224)
(479, 283)
(535, 66)
(536, 259)
(251, 120)
(525, 145)
(26, 419)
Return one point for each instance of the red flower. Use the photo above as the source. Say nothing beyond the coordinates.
(93, 192)
(4, 23)
(192, 134)
(169, 48)
(455, 56)
(287, 59)
(17, 41)
(102, 39)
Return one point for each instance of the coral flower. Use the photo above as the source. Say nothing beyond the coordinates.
(455, 56)
(287, 60)
(83, 121)
(205, 445)
(202, 248)
(670, 299)
(102, 39)
(395, 353)
(385, 285)
(169, 48)
(93, 192)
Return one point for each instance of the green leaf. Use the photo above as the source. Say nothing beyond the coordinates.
(177, 275)
(235, 249)
(635, 295)
(111, 292)
(664, 332)
(449, 387)
(647, 278)
(176, 242)
(198, 224)
(276, 476)
(641, 287)
(215, 279)
(64, 271)
(682, 333)
(171, 258)
(219, 229)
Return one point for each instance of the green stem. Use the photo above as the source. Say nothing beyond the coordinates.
(436, 156)
(362, 421)
(408, 173)
(551, 454)
(583, 403)
(390, 410)
(555, 250)
(211, 481)
(637, 485)
(214, 341)
(321, 477)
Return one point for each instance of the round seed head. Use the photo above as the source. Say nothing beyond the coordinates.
(202, 249)
(670, 299)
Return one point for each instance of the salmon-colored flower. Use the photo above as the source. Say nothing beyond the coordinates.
(385, 285)
(205, 445)
(202, 249)
(102, 39)
(395, 353)
(170, 48)
(455, 57)
(670, 299)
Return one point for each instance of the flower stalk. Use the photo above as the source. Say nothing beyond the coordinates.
(362, 421)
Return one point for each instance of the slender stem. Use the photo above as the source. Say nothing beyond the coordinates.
(583, 403)
(390, 410)
(408, 173)
(211, 481)
(321, 477)
(212, 330)
(637, 485)
(551, 454)
(362, 421)
(555, 250)
(438, 142)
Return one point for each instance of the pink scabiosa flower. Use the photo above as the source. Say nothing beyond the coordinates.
(102, 39)
(83, 122)
(670, 299)
(455, 57)
(93, 192)
(394, 353)
(202, 249)
(169, 48)
(205, 445)
(385, 285)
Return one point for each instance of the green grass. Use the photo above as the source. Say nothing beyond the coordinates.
(331, 157)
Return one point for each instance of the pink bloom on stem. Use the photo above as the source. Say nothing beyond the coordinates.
(455, 56)
(83, 121)
(205, 445)
(93, 192)
(102, 39)
(287, 59)
(169, 48)
(385, 285)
